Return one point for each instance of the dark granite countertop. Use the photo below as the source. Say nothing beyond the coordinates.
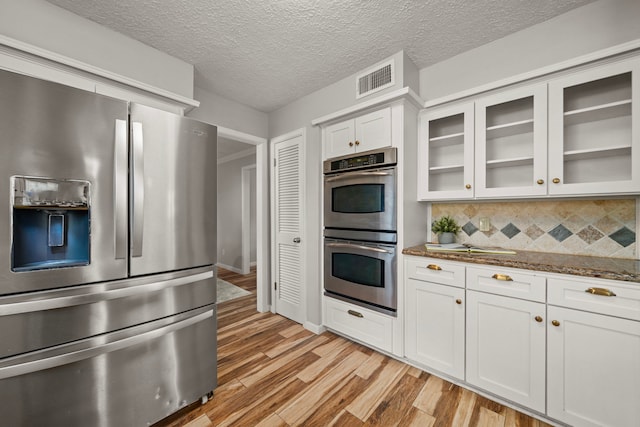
(627, 270)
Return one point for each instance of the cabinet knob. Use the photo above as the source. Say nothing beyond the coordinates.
(503, 277)
(538, 319)
(468, 186)
(556, 180)
(434, 267)
(355, 313)
(357, 142)
(600, 291)
(540, 181)
(458, 301)
(555, 323)
(350, 144)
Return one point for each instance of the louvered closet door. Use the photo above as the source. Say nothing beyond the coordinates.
(288, 217)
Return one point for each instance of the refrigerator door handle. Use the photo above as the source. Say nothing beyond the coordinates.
(137, 189)
(120, 189)
(94, 348)
(91, 296)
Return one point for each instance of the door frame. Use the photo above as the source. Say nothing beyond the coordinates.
(302, 132)
(262, 211)
(246, 217)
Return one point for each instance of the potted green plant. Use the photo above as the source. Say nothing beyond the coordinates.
(446, 228)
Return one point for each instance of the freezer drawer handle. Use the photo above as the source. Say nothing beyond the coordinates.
(96, 296)
(137, 189)
(15, 370)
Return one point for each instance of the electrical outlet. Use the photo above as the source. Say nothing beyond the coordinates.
(485, 224)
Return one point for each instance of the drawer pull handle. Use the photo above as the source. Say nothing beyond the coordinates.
(600, 291)
(458, 301)
(555, 323)
(434, 267)
(503, 277)
(355, 313)
(538, 319)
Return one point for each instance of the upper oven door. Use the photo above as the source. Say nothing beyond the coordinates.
(364, 200)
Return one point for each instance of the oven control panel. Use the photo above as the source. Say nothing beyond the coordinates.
(374, 158)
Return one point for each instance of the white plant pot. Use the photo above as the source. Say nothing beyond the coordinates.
(444, 238)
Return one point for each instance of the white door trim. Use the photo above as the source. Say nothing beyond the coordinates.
(246, 218)
(303, 301)
(263, 294)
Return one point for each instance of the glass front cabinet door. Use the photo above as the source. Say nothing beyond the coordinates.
(446, 153)
(511, 143)
(594, 141)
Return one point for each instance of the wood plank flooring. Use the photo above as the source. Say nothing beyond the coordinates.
(273, 372)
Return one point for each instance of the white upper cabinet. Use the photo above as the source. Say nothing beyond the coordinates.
(445, 153)
(594, 140)
(511, 143)
(366, 132)
(575, 135)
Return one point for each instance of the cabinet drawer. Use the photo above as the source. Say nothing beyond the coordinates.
(364, 325)
(598, 296)
(435, 271)
(507, 282)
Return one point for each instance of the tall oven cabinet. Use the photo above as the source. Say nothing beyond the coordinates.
(391, 124)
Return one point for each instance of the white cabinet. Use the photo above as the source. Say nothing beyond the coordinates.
(506, 347)
(369, 327)
(594, 130)
(435, 315)
(511, 143)
(574, 135)
(593, 369)
(445, 153)
(593, 353)
(363, 133)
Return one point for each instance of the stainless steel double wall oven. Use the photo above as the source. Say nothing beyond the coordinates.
(360, 231)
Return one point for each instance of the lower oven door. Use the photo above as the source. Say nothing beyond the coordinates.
(364, 273)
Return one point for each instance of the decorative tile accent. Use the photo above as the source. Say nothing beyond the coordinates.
(469, 228)
(582, 227)
(534, 232)
(560, 233)
(491, 231)
(624, 237)
(590, 234)
(510, 230)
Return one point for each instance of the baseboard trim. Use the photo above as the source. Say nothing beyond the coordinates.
(316, 329)
(229, 267)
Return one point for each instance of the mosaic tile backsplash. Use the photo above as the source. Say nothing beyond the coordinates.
(580, 227)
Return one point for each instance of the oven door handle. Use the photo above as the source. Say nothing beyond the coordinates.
(354, 174)
(364, 248)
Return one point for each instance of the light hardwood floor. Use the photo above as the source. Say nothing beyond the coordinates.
(273, 372)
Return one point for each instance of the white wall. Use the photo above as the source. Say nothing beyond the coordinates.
(49, 27)
(223, 112)
(584, 30)
(253, 252)
(230, 211)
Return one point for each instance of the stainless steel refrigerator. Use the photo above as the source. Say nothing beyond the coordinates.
(107, 258)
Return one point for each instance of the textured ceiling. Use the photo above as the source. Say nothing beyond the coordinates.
(266, 54)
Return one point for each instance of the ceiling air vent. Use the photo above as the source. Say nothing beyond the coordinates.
(376, 79)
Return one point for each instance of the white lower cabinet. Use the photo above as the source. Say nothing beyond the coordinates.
(369, 327)
(506, 348)
(593, 369)
(435, 326)
(561, 345)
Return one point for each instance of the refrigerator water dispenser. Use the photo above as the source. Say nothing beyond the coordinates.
(51, 226)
